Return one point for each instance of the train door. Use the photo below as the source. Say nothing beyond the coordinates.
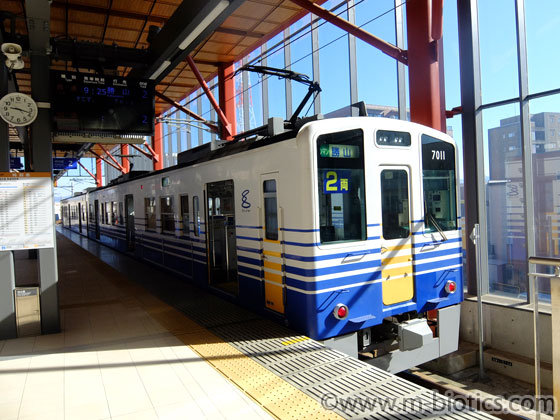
(129, 221)
(80, 217)
(220, 236)
(96, 216)
(272, 252)
(396, 239)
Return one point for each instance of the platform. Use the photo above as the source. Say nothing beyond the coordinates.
(158, 348)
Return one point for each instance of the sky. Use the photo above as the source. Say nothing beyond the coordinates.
(377, 82)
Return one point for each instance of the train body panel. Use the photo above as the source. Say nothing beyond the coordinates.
(354, 212)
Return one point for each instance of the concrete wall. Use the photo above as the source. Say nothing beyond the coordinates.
(508, 329)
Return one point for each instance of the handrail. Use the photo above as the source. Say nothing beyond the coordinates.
(551, 262)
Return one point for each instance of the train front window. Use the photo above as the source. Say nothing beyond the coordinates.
(438, 175)
(394, 204)
(340, 165)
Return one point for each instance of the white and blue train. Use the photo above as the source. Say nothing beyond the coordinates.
(347, 229)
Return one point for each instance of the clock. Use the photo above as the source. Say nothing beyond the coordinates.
(18, 109)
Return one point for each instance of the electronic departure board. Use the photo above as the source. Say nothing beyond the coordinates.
(93, 104)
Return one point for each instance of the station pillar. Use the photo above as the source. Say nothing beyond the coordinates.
(125, 162)
(157, 144)
(98, 173)
(425, 65)
(226, 88)
(41, 161)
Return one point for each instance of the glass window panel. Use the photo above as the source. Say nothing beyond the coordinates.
(302, 62)
(507, 245)
(545, 125)
(543, 32)
(451, 55)
(498, 50)
(167, 214)
(394, 204)
(276, 86)
(334, 62)
(150, 211)
(196, 216)
(254, 81)
(342, 210)
(270, 210)
(377, 72)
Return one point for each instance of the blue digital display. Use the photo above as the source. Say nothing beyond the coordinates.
(91, 103)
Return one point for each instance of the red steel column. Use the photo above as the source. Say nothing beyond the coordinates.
(124, 160)
(98, 173)
(226, 88)
(425, 65)
(157, 142)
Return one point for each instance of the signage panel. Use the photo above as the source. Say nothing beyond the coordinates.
(26, 211)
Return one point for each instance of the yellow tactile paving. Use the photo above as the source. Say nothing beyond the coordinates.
(275, 395)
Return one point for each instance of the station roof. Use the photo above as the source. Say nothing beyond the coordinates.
(85, 25)
(126, 23)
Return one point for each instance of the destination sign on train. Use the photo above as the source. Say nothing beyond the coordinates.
(339, 151)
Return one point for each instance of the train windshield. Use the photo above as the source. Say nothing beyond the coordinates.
(438, 163)
(342, 211)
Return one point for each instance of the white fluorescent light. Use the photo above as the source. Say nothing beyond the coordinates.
(210, 17)
(160, 69)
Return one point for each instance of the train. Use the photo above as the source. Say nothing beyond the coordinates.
(345, 229)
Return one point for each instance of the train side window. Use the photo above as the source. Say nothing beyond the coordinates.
(394, 204)
(102, 213)
(270, 210)
(150, 211)
(107, 211)
(121, 213)
(342, 204)
(114, 207)
(167, 214)
(196, 215)
(438, 180)
(185, 214)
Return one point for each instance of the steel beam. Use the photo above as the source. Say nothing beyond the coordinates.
(527, 157)
(473, 144)
(187, 111)
(427, 102)
(119, 166)
(226, 90)
(101, 158)
(383, 46)
(191, 23)
(222, 117)
(87, 170)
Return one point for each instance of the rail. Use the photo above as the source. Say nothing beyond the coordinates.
(550, 262)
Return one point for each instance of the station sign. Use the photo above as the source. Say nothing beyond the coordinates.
(60, 164)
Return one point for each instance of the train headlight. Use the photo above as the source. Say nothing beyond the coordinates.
(341, 311)
(450, 287)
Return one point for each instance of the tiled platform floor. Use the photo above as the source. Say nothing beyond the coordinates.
(114, 359)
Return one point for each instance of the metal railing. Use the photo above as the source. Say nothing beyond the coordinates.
(550, 262)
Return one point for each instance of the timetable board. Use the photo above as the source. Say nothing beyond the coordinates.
(26, 210)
